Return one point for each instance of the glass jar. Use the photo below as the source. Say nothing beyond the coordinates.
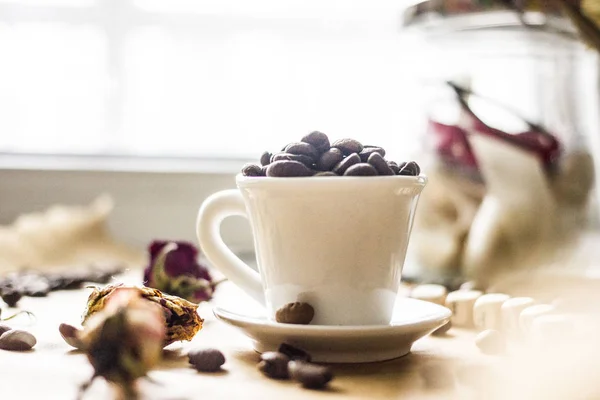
(512, 120)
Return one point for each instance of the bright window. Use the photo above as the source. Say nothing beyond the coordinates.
(218, 78)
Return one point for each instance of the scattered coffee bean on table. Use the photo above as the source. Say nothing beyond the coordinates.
(311, 376)
(206, 360)
(11, 297)
(314, 155)
(295, 313)
(490, 342)
(274, 365)
(294, 353)
(17, 340)
(4, 328)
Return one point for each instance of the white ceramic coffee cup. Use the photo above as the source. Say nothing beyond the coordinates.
(337, 243)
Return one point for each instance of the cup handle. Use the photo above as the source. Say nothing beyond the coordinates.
(213, 211)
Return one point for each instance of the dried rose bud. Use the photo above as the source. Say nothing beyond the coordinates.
(124, 340)
(179, 316)
(174, 269)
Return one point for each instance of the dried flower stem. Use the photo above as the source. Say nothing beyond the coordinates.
(29, 314)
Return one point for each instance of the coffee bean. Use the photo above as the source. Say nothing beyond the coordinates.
(490, 342)
(252, 170)
(348, 146)
(306, 160)
(409, 168)
(393, 166)
(377, 161)
(442, 330)
(346, 163)
(17, 340)
(274, 365)
(303, 149)
(329, 159)
(206, 360)
(4, 328)
(319, 140)
(265, 158)
(361, 169)
(295, 313)
(368, 150)
(311, 376)
(294, 353)
(70, 334)
(11, 297)
(436, 376)
(326, 173)
(285, 168)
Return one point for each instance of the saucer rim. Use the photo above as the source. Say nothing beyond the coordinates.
(443, 314)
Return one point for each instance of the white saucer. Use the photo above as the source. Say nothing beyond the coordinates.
(412, 320)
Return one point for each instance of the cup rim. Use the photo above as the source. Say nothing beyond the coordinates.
(409, 181)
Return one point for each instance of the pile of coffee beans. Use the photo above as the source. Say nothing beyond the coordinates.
(314, 155)
(37, 284)
(290, 362)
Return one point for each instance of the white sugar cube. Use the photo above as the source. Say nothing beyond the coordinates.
(529, 314)
(461, 303)
(511, 311)
(487, 312)
(430, 292)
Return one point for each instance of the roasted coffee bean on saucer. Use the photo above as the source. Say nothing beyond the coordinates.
(295, 313)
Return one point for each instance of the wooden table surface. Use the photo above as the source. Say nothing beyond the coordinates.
(53, 370)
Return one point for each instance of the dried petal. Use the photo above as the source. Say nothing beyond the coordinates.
(174, 269)
(180, 316)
